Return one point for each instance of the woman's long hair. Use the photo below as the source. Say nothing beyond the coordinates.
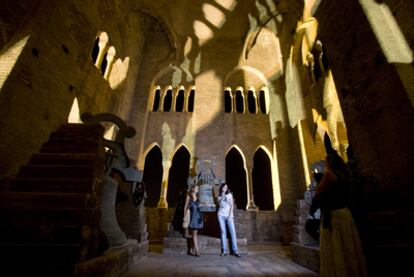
(221, 188)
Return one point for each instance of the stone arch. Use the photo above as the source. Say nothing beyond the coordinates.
(152, 175)
(262, 179)
(236, 175)
(174, 76)
(245, 76)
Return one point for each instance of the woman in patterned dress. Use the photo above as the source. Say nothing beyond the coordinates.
(196, 218)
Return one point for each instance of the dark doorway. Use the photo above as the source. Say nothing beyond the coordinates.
(178, 175)
(153, 176)
(262, 181)
(236, 177)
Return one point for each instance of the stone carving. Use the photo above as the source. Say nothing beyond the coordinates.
(207, 180)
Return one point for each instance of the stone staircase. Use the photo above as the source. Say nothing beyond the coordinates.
(305, 250)
(50, 211)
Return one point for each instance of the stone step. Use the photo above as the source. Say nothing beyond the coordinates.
(80, 129)
(61, 171)
(74, 185)
(65, 159)
(26, 254)
(206, 244)
(45, 200)
(50, 216)
(93, 146)
(45, 234)
(306, 255)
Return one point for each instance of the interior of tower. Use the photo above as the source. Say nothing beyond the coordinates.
(110, 111)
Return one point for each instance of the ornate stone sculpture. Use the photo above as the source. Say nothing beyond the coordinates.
(207, 180)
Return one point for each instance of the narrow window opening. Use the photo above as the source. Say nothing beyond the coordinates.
(95, 51)
(104, 63)
(262, 101)
(179, 102)
(239, 102)
(156, 103)
(191, 101)
(251, 101)
(168, 101)
(227, 101)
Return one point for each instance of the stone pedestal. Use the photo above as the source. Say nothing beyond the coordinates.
(206, 244)
(115, 261)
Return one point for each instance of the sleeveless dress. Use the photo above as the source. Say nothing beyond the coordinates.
(196, 217)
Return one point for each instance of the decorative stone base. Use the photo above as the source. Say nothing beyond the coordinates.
(207, 245)
(115, 261)
(306, 255)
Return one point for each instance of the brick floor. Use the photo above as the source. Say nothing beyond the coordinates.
(262, 260)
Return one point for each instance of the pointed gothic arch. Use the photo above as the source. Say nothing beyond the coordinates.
(262, 179)
(152, 176)
(178, 175)
(236, 176)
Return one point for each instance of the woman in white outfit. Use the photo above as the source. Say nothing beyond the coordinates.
(226, 217)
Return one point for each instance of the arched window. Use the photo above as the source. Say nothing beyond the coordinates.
(251, 100)
(239, 101)
(227, 101)
(156, 103)
(262, 100)
(191, 101)
(179, 101)
(168, 101)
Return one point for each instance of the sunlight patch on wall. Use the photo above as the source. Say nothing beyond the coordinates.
(202, 31)
(110, 133)
(119, 72)
(387, 31)
(227, 4)
(168, 142)
(310, 8)
(213, 15)
(294, 98)
(74, 115)
(8, 59)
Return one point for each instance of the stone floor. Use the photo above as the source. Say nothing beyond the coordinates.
(262, 260)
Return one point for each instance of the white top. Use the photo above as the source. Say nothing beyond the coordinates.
(226, 205)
